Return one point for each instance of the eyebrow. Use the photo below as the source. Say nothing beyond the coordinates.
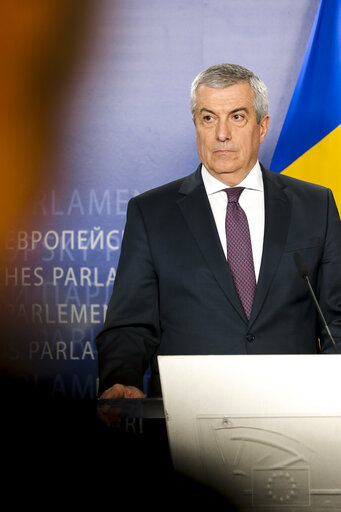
(204, 109)
(239, 109)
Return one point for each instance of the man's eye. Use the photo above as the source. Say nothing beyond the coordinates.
(208, 118)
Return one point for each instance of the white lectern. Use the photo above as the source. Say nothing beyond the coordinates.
(263, 430)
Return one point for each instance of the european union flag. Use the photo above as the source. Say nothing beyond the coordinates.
(309, 146)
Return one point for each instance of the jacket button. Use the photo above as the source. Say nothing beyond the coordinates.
(250, 337)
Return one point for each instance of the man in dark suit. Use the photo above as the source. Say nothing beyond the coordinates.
(177, 289)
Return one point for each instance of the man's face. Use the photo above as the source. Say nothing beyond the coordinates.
(228, 135)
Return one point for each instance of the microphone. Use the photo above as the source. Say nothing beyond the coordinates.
(303, 271)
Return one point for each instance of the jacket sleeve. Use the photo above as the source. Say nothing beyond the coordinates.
(329, 286)
(131, 330)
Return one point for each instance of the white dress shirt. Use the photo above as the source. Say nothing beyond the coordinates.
(252, 202)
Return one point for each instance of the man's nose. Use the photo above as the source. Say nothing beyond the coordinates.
(223, 131)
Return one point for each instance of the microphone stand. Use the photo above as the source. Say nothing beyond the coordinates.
(303, 271)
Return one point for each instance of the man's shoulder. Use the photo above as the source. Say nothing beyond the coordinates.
(166, 189)
(291, 183)
(170, 190)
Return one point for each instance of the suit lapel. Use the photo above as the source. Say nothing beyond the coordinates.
(197, 212)
(196, 209)
(277, 219)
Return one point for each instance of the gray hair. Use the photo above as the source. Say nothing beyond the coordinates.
(224, 75)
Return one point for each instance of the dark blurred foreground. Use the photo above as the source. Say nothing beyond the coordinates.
(56, 452)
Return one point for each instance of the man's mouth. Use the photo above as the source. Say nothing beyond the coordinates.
(222, 151)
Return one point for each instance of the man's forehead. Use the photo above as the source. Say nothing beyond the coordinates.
(236, 95)
(240, 85)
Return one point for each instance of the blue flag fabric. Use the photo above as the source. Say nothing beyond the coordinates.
(315, 108)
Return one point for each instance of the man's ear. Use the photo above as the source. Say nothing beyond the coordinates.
(263, 127)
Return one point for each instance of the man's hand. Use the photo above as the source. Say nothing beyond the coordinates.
(110, 414)
(121, 391)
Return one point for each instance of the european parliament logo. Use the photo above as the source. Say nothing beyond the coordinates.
(273, 463)
(286, 487)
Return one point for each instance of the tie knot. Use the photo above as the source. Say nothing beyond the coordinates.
(234, 193)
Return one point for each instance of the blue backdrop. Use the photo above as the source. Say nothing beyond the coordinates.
(126, 127)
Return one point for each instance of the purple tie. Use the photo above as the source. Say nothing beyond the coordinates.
(239, 250)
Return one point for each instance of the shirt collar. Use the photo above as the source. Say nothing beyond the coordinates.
(254, 180)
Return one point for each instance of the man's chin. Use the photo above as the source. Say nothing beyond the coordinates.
(225, 164)
(230, 176)
(221, 171)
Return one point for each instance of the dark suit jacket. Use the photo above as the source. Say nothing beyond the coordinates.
(174, 292)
